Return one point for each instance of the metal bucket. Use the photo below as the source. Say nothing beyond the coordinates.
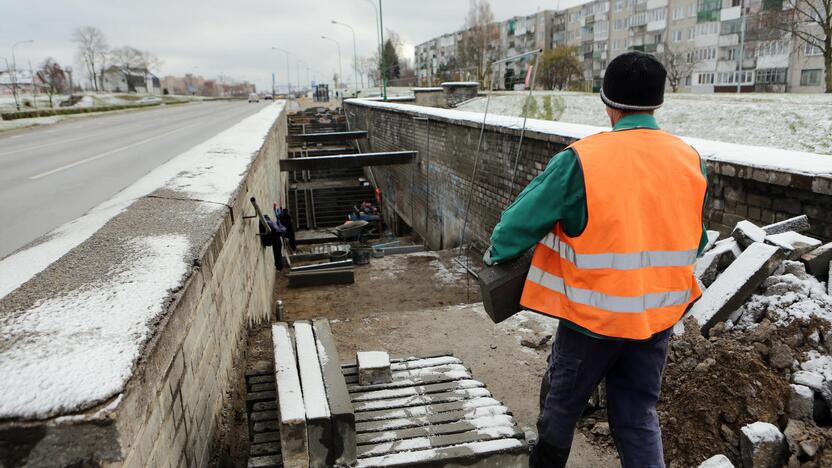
(338, 255)
(361, 255)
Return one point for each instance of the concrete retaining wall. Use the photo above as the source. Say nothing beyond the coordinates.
(746, 182)
(162, 406)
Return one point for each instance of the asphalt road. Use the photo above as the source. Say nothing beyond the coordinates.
(53, 174)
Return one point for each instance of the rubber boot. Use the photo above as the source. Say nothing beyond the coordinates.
(544, 455)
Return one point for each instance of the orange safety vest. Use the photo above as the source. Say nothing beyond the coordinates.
(629, 274)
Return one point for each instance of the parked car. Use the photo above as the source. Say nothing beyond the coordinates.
(253, 97)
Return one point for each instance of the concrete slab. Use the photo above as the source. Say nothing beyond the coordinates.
(425, 372)
(322, 266)
(435, 441)
(427, 379)
(416, 390)
(793, 244)
(492, 453)
(424, 409)
(705, 268)
(429, 399)
(735, 285)
(817, 261)
(713, 236)
(270, 461)
(315, 403)
(796, 224)
(342, 449)
(265, 437)
(726, 251)
(403, 249)
(373, 367)
(746, 233)
(265, 448)
(293, 432)
(464, 425)
(321, 277)
(430, 419)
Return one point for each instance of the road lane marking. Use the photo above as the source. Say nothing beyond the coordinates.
(108, 153)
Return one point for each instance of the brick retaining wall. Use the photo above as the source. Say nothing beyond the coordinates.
(446, 141)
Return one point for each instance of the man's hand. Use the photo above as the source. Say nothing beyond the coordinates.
(487, 257)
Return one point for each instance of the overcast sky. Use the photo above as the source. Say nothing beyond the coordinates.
(234, 37)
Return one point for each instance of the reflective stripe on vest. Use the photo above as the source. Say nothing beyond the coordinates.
(619, 261)
(624, 304)
(629, 274)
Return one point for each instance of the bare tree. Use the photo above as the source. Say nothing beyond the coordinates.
(810, 21)
(480, 30)
(558, 67)
(91, 51)
(53, 78)
(679, 63)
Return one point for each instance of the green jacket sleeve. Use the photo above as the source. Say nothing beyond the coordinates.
(556, 194)
(703, 241)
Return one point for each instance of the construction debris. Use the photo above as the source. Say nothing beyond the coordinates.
(735, 284)
(373, 368)
(749, 370)
(762, 445)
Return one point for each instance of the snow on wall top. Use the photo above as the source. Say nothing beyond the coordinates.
(754, 156)
(80, 347)
(210, 171)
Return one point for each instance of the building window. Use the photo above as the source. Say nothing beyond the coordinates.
(618, 24)
(619, 5)
(771, 76)
(688, 81)
(677, 36)
(678, 13)
(744, 77)
(705, 78)
(810, 77)
(812, 49)
(691, 10)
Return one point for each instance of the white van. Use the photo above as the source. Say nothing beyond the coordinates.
(253, 97)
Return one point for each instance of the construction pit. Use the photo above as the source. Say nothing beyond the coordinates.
(748, 380)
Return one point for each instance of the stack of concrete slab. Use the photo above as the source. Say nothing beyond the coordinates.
(419, 412)
(316, 421)
(431, 413)
(731, 270)
(322, 274)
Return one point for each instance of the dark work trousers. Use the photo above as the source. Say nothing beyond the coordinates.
(633, 372)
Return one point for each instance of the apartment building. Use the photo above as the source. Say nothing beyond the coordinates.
(726, 45)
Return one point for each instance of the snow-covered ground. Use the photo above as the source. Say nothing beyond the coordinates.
(800, 122)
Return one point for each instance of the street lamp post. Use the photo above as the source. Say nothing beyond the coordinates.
(340, 70)
(288, 81)
(14, 72)
(380, 37)
(354, 54)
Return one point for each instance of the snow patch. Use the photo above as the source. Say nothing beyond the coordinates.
(78, 349)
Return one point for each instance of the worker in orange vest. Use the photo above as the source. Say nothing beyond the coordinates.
(616, 223)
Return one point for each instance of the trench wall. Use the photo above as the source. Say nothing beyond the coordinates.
(172, 410)
(169, 410)
(431, 195)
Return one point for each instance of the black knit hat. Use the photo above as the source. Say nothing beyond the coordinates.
(634, 82)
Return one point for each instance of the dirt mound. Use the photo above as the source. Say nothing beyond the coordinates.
(711, 389)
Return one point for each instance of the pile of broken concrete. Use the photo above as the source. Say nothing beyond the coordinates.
(763, 290)
(748, 380)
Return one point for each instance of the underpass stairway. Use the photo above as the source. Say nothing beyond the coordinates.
(322, 198)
